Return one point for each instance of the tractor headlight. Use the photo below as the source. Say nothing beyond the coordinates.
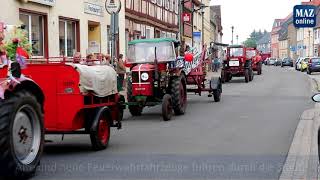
(144, 76)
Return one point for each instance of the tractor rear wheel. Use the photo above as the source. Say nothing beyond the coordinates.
(134, 110)
(246, 75)
(259, 69)
(101, 135)
(167, 107)
(223, 76)
(21, 135)
(179, 94)
(251, 74)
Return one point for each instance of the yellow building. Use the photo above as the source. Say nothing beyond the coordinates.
(63, 27)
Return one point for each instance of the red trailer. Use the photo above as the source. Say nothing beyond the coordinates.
(48, 99)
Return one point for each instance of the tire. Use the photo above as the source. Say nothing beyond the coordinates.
(100, 137)
(309, 72)
(133, 109)
(22, 106)
(246, 75)
(251, 75)
(121, 108)
(223, 76)
(260, 69)
(179, 94)
(167, 107)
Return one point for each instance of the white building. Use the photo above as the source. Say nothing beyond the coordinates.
(63, 27)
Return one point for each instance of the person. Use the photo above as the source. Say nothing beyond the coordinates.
(77, 57)
(3, 56)
(216, 64)
(121, 71)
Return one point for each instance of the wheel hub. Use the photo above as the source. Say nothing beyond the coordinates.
(26, 134)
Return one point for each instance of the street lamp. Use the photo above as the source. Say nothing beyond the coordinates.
(232, 29)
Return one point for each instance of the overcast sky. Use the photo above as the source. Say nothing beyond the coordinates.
(247, 15)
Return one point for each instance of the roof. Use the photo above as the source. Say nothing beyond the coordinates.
(313, 2)
(265, 39)
(283, 32)
(235, 46)
(156, 40)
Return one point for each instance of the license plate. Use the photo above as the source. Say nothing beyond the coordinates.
(234, 63)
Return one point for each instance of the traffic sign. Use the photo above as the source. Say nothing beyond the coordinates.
(113, 6)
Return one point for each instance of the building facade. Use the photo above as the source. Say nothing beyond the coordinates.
(292, 40)
(264, 44)
(56, 29)
(275, 38)
(151, 19)
(316, 40)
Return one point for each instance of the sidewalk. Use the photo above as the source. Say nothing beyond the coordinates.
(303, 157)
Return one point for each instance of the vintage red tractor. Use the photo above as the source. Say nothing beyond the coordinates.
(237, 64)
(254, 55)
(52, 96)
(154, 79)
(158, 76)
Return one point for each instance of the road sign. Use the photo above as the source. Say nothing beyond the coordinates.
(304, 16)
(113, 6)
(186, 17)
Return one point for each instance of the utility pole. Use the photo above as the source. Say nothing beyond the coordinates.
(232, 28)
(237, 37)
(202, 31)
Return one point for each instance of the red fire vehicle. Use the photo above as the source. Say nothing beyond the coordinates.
(47, 98)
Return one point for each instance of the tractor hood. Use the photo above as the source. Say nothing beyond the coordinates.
(143, 67)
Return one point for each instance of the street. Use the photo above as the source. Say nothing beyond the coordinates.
(245, 136)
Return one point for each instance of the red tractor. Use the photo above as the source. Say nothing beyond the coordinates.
(237, 64)
(53, 97)
(154, 78)
(254, 55)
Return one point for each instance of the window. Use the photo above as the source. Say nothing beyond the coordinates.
(109, 40)
(67, 37)
(35, 29)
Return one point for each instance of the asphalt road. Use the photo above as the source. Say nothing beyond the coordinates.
(245, 136)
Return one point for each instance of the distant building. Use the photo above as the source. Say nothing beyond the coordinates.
(216, 29)
(264, 44)
(275, 38)
(284, 49)
(316, 31)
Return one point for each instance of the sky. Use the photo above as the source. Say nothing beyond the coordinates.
(247, 15)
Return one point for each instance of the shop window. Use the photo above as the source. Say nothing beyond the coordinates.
(35, 31)
(67, 37)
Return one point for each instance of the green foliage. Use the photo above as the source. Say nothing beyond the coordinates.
(11, 39)
(250, 43)
(255, 36)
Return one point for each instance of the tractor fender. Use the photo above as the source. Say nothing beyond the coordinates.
(215, 83)
(101, 111)
(22, 83)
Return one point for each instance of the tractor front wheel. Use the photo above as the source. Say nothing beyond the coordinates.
(179, 94)
(259, 69)
(21, 135)
(135, 110)
(246, 75)
(223, 76)
(167, 107)
(251, 74)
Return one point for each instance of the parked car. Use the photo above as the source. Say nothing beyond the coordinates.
(298, 64)
(304, 64)
(271, 61)
(313, 65)
(278, 62)
(287, 62)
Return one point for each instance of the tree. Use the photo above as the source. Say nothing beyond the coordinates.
(250, 43)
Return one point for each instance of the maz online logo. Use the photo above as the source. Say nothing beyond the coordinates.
(304, 16)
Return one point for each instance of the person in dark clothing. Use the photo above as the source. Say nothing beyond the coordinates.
(121, 71)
